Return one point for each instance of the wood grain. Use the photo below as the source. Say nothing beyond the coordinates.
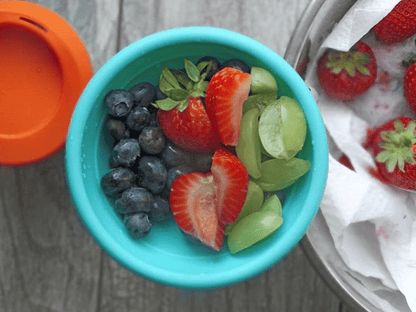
(48, 262)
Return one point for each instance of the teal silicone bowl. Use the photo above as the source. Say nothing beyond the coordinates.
(167, 255)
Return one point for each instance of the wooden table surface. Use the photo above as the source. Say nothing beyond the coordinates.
(48, 262)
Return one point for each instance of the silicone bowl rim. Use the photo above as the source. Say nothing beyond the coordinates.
(106, 74)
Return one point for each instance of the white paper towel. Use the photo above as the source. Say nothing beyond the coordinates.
(373, 225)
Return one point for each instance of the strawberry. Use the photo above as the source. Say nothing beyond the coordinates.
(202, 203)
(347, 75)
(409, 86)
(182, 115)
(232, 179)
(346, 161)
(190, 129)
(194, 206)
(399, 24)
(225, 95)
(393, 146)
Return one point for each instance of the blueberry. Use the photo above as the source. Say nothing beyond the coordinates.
(214, 67)
(152, 140)
(143, 94)
(138, 118)
(159, 94)
(152, 174)
(202, 162)
(117, 129)
(135, 199)
(120, 102)
(117, 180)
(175, 172)
(238, 64)
(125, 153)
(160, 210)
(137, 224)
(174, 156)
(153, 120)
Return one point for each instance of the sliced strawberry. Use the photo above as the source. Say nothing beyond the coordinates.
(190, 129)
(231, 178)
(193, 203)
(225, 95)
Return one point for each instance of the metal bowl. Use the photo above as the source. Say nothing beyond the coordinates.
(316, 23)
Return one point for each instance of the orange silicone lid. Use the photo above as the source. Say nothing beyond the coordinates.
(44, 67)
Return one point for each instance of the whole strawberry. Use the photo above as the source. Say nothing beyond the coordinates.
(393, 146)
(346, 75)
(182, 115)
(399, 24)
(190, 129)
(409, 86)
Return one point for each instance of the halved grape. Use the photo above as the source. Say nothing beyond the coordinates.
(277, 174)
(253, 203)
(258, 101)
(248, 148)
(272, 204)
(282, 128)
(262, 81)
(253, 228)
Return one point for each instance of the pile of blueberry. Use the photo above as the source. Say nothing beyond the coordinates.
(143, 163)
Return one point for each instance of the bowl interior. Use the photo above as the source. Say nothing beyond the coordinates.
(166, 255)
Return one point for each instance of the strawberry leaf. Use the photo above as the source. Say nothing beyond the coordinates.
(201, 86)
(192, 71)
(183, 105)
(197, 93)
(201, 66)
(170, 78)
(183, 78)
(164, 84)
(351, 62)
(166, 104)
(398, 146)
(177, 94)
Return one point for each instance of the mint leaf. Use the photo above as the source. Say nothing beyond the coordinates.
(192, 71)
(166, 104)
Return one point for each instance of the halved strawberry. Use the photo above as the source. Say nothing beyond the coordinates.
(225, 95)
(190, 129)
(194, 206)
(231, 178)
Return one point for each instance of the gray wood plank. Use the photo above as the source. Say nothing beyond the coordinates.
(48, 262)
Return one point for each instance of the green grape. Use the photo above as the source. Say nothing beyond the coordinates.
(276, 174)
(262, 81)
(282, 128)
(258, 101)
(272, 204)
(248, 148)
(253, 203)
(251, 229)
